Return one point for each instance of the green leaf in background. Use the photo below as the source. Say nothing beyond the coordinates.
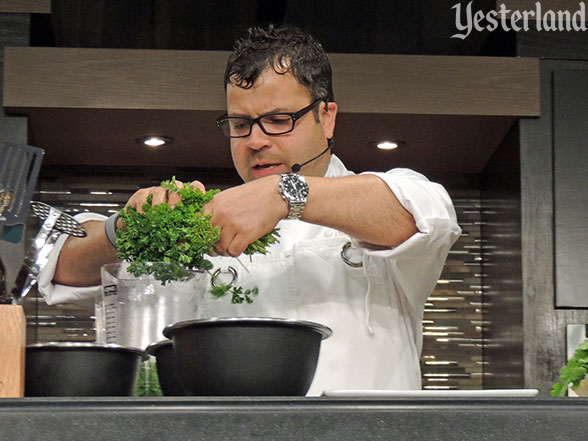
(573, 372)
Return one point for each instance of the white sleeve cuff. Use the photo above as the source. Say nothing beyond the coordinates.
(431, 208)
(55, 294)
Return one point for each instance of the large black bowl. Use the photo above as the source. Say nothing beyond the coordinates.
(167, 374)
(81, 370)
(246, 356)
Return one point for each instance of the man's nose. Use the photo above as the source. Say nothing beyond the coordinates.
(257, 138)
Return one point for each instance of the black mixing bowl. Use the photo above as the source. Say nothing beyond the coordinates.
(169, 379)
(246, 356)
(81, 370)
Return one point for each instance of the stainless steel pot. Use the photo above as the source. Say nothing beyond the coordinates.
(246, 356)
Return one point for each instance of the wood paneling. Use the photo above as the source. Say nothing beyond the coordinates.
(544, 326)
(436, 85)
(30, 6)
(113, 79)
(451, 111)
(192, 80)
(570, 162)
(502, 301)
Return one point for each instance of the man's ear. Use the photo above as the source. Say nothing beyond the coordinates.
(328, 119)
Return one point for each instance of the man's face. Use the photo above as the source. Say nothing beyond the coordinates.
(258, 154)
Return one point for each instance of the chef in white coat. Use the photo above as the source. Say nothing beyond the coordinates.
(359, 253)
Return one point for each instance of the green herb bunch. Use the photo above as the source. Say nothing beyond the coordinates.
(148, 381)
(573, 372)
(177, 239)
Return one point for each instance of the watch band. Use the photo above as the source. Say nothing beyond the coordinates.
(295, 210)
(110, 228)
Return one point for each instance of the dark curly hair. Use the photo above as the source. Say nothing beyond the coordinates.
(285, 49)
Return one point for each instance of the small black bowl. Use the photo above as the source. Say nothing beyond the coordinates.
(246, 356)
(169, 379)
(81, 370)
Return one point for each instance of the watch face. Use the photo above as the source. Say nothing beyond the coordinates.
(293, 188)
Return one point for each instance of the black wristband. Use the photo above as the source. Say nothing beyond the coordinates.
(110, 228)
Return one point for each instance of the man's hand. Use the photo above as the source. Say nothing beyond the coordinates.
(81, 258)
(160, 195)
(245, 213)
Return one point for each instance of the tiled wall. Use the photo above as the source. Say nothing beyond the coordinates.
(452, 347)
(452, 323)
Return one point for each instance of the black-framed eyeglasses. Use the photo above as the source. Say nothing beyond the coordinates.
(276, 123)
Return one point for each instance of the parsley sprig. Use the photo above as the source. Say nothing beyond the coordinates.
(573, 372)
(237, 293)
(171, 242)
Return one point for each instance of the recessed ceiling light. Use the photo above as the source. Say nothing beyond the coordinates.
(154, 141)
(389, 145)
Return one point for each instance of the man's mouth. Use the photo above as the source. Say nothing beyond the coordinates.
(262, 169)
(264, 166)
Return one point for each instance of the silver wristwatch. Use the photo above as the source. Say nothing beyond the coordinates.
(294, 190)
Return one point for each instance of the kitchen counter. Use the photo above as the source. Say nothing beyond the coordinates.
(280, 419)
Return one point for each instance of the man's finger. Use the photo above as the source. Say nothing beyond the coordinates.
(199, 185)
(173, 199)
(159, 195)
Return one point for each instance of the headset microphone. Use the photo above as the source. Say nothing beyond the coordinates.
(296, 167)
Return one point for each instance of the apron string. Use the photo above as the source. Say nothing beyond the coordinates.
(366, 297)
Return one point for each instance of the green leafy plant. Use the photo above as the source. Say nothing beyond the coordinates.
(573, 372)
(148, 381)
(170, 243)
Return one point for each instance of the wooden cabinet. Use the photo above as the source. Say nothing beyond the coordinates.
(570, 186)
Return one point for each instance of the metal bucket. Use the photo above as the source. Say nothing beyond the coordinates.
(133, 311)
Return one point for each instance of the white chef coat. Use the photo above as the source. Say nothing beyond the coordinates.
(375, 310)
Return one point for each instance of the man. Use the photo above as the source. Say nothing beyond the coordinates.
(358, 253)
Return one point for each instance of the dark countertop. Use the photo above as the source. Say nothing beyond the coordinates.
(281, 419)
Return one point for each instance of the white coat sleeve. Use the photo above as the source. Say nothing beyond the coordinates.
(414, 266)
(56, 294)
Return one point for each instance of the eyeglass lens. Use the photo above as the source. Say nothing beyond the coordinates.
(271, 125)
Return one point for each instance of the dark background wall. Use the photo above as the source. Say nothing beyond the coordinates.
(378, 26)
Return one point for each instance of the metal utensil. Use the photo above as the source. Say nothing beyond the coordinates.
(19, 170)
(55, 223)
(64, 222)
